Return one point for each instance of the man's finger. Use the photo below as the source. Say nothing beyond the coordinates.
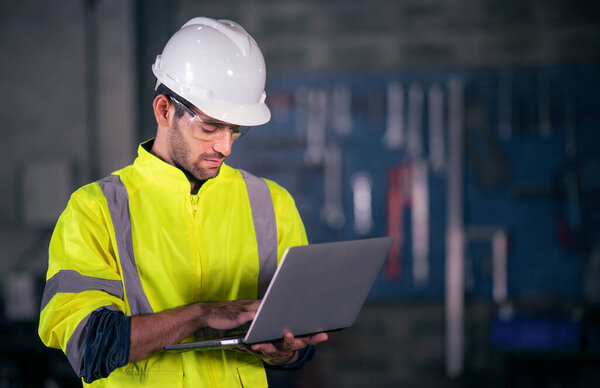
(288, 341)
(302, 342)
(321, 337)
(264, 348)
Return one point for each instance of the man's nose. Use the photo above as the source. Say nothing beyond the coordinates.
(223, 143)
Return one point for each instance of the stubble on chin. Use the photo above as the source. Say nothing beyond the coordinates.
(182, 156)
(206, 173)
(192, 168)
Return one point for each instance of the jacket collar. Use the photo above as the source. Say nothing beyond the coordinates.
(159, 172)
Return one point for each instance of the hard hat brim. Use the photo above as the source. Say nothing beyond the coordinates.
(239, 114)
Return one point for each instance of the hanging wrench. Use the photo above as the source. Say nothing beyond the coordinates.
(455, 244)
(437, 154)
(497, 237)
(342, 116)
(332, 212)
(398, 199)
(499, 262)
(420, 221)
(415, 121)
(395, 221)
(393, 137)
(315, 131)
(362, 187)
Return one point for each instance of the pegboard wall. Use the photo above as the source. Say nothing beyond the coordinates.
(366, 156)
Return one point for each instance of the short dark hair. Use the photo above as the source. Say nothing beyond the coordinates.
(179, 111)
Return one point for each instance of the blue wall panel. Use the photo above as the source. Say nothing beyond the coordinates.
(526, 203)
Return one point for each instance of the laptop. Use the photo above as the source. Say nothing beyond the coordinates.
(316, 288)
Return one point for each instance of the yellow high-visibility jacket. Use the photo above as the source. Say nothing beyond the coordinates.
(167, 248)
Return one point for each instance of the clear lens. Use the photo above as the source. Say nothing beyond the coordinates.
(208, 130)
(204, 130)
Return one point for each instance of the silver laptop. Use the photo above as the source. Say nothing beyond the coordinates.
(316, 288)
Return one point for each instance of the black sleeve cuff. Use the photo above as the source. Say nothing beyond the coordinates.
(107, 344)
(304, 355)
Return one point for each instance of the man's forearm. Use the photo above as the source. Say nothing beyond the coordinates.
(153, 332)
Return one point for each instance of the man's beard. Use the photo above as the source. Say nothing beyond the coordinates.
(183, 160)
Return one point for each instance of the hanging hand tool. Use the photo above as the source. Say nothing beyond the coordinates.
(394, 136)
(342, 106)
(315, 131)
(499, 266)
(454, 296)
(398, 199)
(437, 153)
(395, 219)
(362, 187)
(414, 144)
(419, 198)
(497, 237)
(333, 212)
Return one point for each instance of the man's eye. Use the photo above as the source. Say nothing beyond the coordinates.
(209, 130)
(218, 127)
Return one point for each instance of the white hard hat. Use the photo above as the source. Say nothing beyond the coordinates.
(218, 67)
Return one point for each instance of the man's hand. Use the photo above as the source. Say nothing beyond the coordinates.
(152, 332)
(228, 315)
(284, 351)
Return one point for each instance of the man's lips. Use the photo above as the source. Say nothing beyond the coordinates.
(214, 162)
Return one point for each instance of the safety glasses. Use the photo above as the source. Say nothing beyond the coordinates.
(207, 130)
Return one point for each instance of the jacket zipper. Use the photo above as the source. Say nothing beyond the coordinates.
(194, 201)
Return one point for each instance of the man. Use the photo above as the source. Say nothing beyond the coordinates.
(178, 243)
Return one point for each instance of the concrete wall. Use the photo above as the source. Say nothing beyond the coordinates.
(384, 35)
(43, 77)
(48, 118)
(77, 87)
(69, 108)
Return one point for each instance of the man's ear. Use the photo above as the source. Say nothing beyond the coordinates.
(161, 105)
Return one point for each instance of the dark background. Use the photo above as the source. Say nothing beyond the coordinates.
(77, 92)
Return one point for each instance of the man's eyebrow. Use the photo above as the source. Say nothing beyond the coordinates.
(212, 122)
(208, 120)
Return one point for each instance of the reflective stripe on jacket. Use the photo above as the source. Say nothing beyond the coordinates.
(167, 248)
